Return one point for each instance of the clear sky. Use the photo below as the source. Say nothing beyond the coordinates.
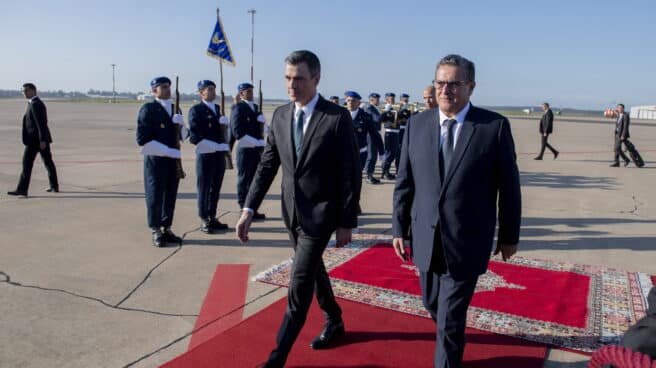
(576, 53)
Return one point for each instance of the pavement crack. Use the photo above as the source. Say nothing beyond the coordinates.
(635, 209)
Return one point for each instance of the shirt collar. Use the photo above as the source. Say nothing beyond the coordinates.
(210, 104)
(460, 116)
(308, 108)
(354, 113)
(33, 98)
(250, 104)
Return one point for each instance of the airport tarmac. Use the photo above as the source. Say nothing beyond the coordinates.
(82, 286)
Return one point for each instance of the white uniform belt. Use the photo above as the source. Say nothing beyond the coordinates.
(363, 149)
(391, 130)
(402, 127)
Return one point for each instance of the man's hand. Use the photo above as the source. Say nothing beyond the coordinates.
(261, 118)
(178, 119)
(399, 249)
(507, 250)
(243, 225)
(623, 138)
(43, 145)
(342, 236)
(224, 120)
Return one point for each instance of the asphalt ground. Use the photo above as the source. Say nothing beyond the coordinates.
(81, 285)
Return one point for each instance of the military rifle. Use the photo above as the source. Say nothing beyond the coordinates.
(179, 172)
(224, 131)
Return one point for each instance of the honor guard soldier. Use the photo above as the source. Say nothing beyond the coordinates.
(205, 126)
(372, 150)
(365, 128)
(158, 131)
(334, 99)
(247, 126)
(389, 120)
(404, 114)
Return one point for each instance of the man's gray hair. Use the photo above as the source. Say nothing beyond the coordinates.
(307, 57)
(459, 61)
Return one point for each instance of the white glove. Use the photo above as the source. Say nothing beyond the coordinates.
(261, 118)
(388, 107)
(224, 120)
(178, 119)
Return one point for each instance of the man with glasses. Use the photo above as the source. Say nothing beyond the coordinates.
(37, 140)
(457, 172)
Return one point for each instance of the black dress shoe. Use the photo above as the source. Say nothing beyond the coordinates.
(217, 225)
(616, 164)
(169, 237)
(205, 227)
(538, 158)
(389, 176)
(158, 240)
(259, 216)
(17, 193)
(556, 155)
(626, 163)
(332, 331)
(371, 180)
(52, 190)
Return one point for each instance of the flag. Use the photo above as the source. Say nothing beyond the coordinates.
(219, 47)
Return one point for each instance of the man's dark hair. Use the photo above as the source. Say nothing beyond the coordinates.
(621, 105)
(29, 86)
(307, 57)
(546, 104)
(459, 61)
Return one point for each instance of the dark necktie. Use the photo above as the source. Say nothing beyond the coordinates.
(298, 132)
(447, 145)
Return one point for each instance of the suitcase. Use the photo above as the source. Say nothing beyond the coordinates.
(633, 153)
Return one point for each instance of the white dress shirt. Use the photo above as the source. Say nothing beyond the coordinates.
(308, 109)
(167, 104)
(354, 113)
(211, 105)
(459, 118)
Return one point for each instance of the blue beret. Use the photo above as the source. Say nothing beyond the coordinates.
(159, 80)
(205, 83)
(244, 86)
(333, 98)
(405, 95)
(374, 95)
(352, 94)
(390, 94)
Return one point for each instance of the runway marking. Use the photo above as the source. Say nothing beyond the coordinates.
(225, 296)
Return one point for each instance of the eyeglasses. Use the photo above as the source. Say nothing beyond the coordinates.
(448, 84)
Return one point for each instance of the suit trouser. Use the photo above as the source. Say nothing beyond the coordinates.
(210, 168)
(391, 150)
(446, 300)
(363, 159)
(161, 187)
(372, 157)
(545, 144)
(247, 161)
(618, 150)
(28, 163)
(308, 274)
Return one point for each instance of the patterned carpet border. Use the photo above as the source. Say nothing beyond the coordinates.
(616, 300)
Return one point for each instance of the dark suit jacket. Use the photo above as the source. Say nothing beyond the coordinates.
(622, 125)
(243, 121)
(642, 336)
(204, 124)
(321, 188)
(546, 122)
(35, 124)
(154, 123)
(483, 169)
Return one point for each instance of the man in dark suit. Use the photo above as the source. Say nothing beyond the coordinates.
(37, 139)
(314, 142)
(456, 161)
(546, 128)
(372, 145)
(429, 97)
(621, 134)
(247, 127)
(206, 132)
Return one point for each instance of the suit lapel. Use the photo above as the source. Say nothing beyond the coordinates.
(286, 131)
(435, 133)
(317, 116)
(466, 132)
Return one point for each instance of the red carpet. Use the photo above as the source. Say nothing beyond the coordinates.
(375, 338)
(221, 307)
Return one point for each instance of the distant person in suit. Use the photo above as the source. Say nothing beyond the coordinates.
(334, 99)
(621, 134)
(430, 100)
(314, 142)
(546, 128)
(457, 172)
(37, 139)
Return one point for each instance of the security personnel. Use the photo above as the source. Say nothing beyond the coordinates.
(389, 120)
(205, 121)
(364, 126)
(372, 150)
(334, 99)
(247, 126)
(158, 132)
(404, 114)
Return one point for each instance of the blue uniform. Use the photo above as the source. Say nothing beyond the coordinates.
(210, 167)
(243, 122)
(389, 121)
(160, 176)
(365, 131)
(402, 121)
(372, 148)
